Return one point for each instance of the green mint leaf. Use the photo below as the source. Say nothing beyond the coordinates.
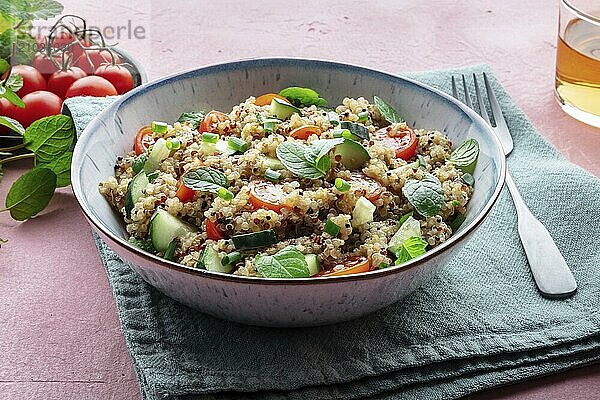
(205, 179)
(26, 46)
(4, 65)
(387, 111)
(426, 195)
(286, 263)
(45, 9)
(292, 156)
(31, 193)
(358, 130)
(303, 97)
(465, 156)
(14, 82)
(12, 124)
(61, 166)
(316, 153)
(412, 247)
(194, 118)
(11, 96)
(50, 137)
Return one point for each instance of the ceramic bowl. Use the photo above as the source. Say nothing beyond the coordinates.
(277, 302)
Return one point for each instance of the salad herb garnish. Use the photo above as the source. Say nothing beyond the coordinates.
(303, 97)
(205, 179)
(425, 195)
(307, 161)
(465, 156)
(387, 111)
(286, 263)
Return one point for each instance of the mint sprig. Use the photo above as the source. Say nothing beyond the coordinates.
(50, 139)
(286, 263)
(307, 161)
(205, 179)
(426, 195)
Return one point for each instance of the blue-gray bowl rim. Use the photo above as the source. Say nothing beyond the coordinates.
(270, 61)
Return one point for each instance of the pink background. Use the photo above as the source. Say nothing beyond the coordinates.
(59, 332)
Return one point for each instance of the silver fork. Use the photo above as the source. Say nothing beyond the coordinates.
(548, 267)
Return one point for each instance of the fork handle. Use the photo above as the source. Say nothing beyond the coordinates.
(549, 269)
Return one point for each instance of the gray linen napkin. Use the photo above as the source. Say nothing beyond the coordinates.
(479, 323)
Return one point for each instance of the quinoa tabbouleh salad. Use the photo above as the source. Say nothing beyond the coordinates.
(283, 186)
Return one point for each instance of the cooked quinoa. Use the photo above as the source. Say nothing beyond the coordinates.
(261, 194)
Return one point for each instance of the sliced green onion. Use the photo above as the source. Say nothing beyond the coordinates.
(208, 137)
(173, 144)
(237, 144)
(159, 127)
(334, 118)
(384, 265)
(272, 175)
(332, 228)
(231, 258)
(363, 116)
(269, 124)
(342, 185)
(345, 133)
(225, 194)
(421, 161)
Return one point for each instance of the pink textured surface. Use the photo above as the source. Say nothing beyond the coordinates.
(59, 333)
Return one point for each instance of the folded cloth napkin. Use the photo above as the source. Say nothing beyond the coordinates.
(477, 324)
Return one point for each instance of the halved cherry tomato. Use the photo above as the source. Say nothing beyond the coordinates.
(266, 195)
(371, 187)
(184, 193)
(305, 131)
(210, 121)
(265, 99)
(349, 265)
(404, 140)
(212, 231)
(143, 140)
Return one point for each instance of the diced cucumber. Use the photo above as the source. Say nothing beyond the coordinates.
(165, 227)
(363, 212)
(170, 251)
(282, 109)
(211, 261)
(254, 240)
(353, 154)
(313, 263)
(273, 163)
(134, 191)
(158, 153)
(411, 227)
